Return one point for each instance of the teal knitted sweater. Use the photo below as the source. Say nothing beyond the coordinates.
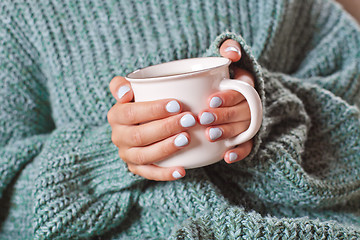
(61, 176)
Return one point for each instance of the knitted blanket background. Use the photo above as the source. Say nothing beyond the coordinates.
(61, 176)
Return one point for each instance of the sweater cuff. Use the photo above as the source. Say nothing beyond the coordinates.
(249, 63)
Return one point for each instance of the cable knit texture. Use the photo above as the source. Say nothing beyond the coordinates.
(61, 176)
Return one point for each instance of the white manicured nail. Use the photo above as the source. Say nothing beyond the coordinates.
(233, 49)
(232, 156)
(206, 118)
(122, 91)
(215, 133)
(176, 175)
(173, 107)
(181, 140)
(187, 120)
(215, 102)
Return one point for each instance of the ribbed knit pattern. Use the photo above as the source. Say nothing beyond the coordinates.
(61, 176)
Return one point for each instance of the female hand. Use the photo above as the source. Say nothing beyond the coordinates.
(162, 131)
(228, 112)
(164, 125)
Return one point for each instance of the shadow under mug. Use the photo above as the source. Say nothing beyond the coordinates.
(192, 81)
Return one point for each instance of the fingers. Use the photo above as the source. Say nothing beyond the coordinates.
(225, 131)
(140, 112)
(231, 97)
(216, 116)
(151, 132)
(121, 89)
(160, 135)
(228, 113)
(155, 152)
(156, 173)
(231, 49)
(239, 153)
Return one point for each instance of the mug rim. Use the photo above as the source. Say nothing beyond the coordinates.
(174, 76)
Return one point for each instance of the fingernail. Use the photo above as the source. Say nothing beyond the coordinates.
(233, 49)
(215, 133)
(215, 102)
(206, 118)
(122, 91)
(173, 106)
(232, 156)
(187, 120)
(181, 140)
(176, 175)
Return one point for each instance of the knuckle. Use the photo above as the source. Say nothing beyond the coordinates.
(131, 168)
(229, 131)
(137, 138)
(122, 155)
(114, 138)
(128, 113)
(139, 158)
(168, 127)
(155, 109)
(110, 115)
(233, 98)
(167, 150)
(228, 114)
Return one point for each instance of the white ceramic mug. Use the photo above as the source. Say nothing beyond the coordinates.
(191, 81)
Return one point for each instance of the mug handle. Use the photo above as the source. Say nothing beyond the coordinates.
(255, 106)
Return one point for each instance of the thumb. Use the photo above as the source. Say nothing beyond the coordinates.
(121, 90)
(231, 49)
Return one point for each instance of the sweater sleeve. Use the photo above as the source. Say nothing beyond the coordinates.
(25, 115)
(307, 151)
(82, 187)
(306, 155)
(249, 63)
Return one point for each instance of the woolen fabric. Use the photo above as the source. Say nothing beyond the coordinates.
(61, 176)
